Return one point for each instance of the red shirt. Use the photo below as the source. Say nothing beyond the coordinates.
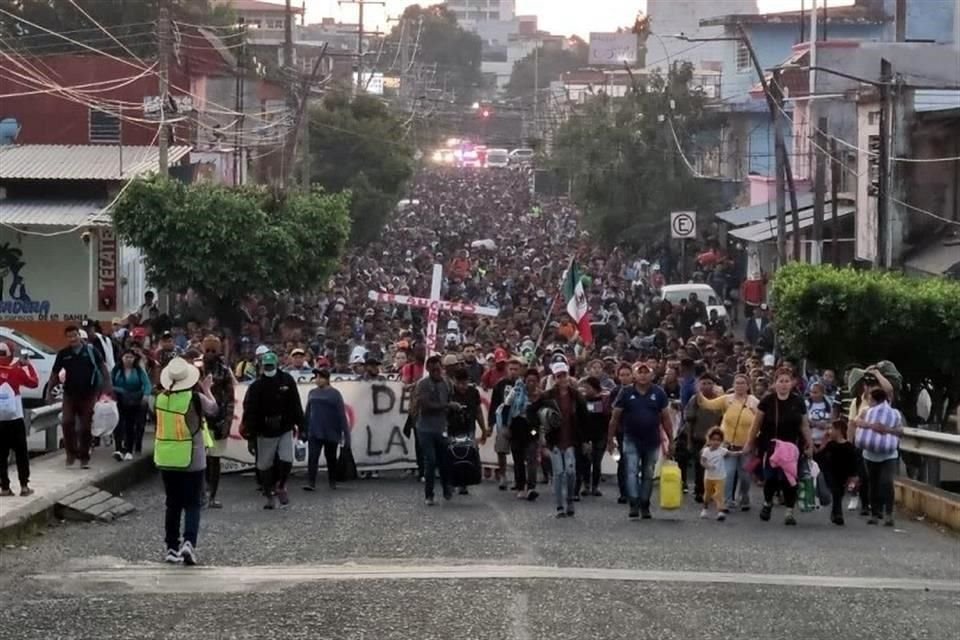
(492, 376)
(16, 375)
(412, 372)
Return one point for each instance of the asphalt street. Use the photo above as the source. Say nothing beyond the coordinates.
(372, 562)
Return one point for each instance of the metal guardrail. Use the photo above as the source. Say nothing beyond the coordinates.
(45, 419)
(942, 446)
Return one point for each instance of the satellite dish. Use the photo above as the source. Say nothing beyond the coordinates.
(9, 130)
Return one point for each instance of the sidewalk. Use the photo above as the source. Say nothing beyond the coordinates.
(52, 481)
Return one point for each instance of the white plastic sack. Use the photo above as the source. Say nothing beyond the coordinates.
(105, 417)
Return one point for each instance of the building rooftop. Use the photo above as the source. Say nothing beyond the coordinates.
(853, 14)
(81, 162)
(258, 5)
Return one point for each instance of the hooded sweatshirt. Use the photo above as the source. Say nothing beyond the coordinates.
(326, 416)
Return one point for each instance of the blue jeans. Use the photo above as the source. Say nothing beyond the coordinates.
(434, 446)
(564, 475)
(640, 460)
(184, 492)
(737, 476)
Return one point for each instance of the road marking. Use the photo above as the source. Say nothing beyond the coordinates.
(519, 617)
(159, 578)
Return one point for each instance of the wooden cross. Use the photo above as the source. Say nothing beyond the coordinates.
(434, 304)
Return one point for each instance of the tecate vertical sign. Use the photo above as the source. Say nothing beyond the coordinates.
(613, 48)
(107, 272)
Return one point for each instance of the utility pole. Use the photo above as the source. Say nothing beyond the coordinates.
(301, 122)
(239, 89)
(163, 36)
(288, 36)
(781, 195)
(834, 202)
(883, 192)
(361, 5)
(774, 99)
(536, 91)
(404, 63)
(820, 191)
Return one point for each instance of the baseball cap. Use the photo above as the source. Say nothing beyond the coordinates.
(500, 355)
(270, 359)
(262, 350)
(449, 360)
(559, 367)
(298, 352)
(138, 332)
(641, 365)
(322, 372)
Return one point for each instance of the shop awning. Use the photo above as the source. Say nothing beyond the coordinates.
(937, 259)
(766, 230)
(52, 213)
(759, 212)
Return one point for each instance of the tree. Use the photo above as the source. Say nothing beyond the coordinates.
(228, 243)
(840, 317)
(357, 144)
(434, 38)
(131, 22)
(549, 64)
(623, 161)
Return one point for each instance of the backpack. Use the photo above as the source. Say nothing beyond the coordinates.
(96, 380)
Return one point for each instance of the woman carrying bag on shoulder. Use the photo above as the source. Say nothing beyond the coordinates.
(179, 453)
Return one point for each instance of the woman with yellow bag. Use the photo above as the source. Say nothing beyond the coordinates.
(179, 453)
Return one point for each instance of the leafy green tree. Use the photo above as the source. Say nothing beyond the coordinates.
(358, 144)
(626, 171)
(227, 243)
(133, 22)
(549, 64)
(840, 317)
(441, 42)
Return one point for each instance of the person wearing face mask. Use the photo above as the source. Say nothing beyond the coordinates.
(222, 390)
(272, 412)
(85, 377)
(13, 432)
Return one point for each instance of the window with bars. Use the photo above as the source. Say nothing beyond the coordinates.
(104, 127)
(743, 57)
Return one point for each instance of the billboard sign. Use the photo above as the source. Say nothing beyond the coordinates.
(613, 49)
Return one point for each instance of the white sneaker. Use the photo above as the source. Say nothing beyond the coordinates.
(189, 554)
(128, 456)
(721, 516)
(117, 456)
(173, 557)
(704, 513)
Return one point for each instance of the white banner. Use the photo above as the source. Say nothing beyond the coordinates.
(376, 413)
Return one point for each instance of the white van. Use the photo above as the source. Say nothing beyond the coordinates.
(498, 158)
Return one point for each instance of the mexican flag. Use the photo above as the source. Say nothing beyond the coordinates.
(576, 299)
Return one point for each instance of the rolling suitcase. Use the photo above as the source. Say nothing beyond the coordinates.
(463, 462)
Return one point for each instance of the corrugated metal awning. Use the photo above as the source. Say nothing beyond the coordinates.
(756, 213)
(767, 230)
(81, 162)
(926, 100)
(51, 213)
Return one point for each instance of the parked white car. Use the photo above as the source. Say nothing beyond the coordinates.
(521, 156)
(498, 158)
(41, 357)
(674, 293)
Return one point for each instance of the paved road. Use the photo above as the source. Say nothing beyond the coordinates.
(371, 562)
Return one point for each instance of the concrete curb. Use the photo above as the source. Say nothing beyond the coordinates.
(26, 522)
(939, 506)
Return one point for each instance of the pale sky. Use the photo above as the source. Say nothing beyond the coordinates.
(560, 17)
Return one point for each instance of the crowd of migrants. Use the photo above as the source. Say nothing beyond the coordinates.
(657, 380)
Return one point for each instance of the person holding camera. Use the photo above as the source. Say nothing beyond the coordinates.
(13, 432)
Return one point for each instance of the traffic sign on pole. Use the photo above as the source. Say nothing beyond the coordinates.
(683, 225)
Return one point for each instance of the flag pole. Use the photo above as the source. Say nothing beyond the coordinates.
(546, 320)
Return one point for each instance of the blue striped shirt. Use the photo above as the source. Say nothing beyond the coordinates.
(884, 415)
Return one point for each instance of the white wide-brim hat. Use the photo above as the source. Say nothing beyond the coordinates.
(179, 375)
